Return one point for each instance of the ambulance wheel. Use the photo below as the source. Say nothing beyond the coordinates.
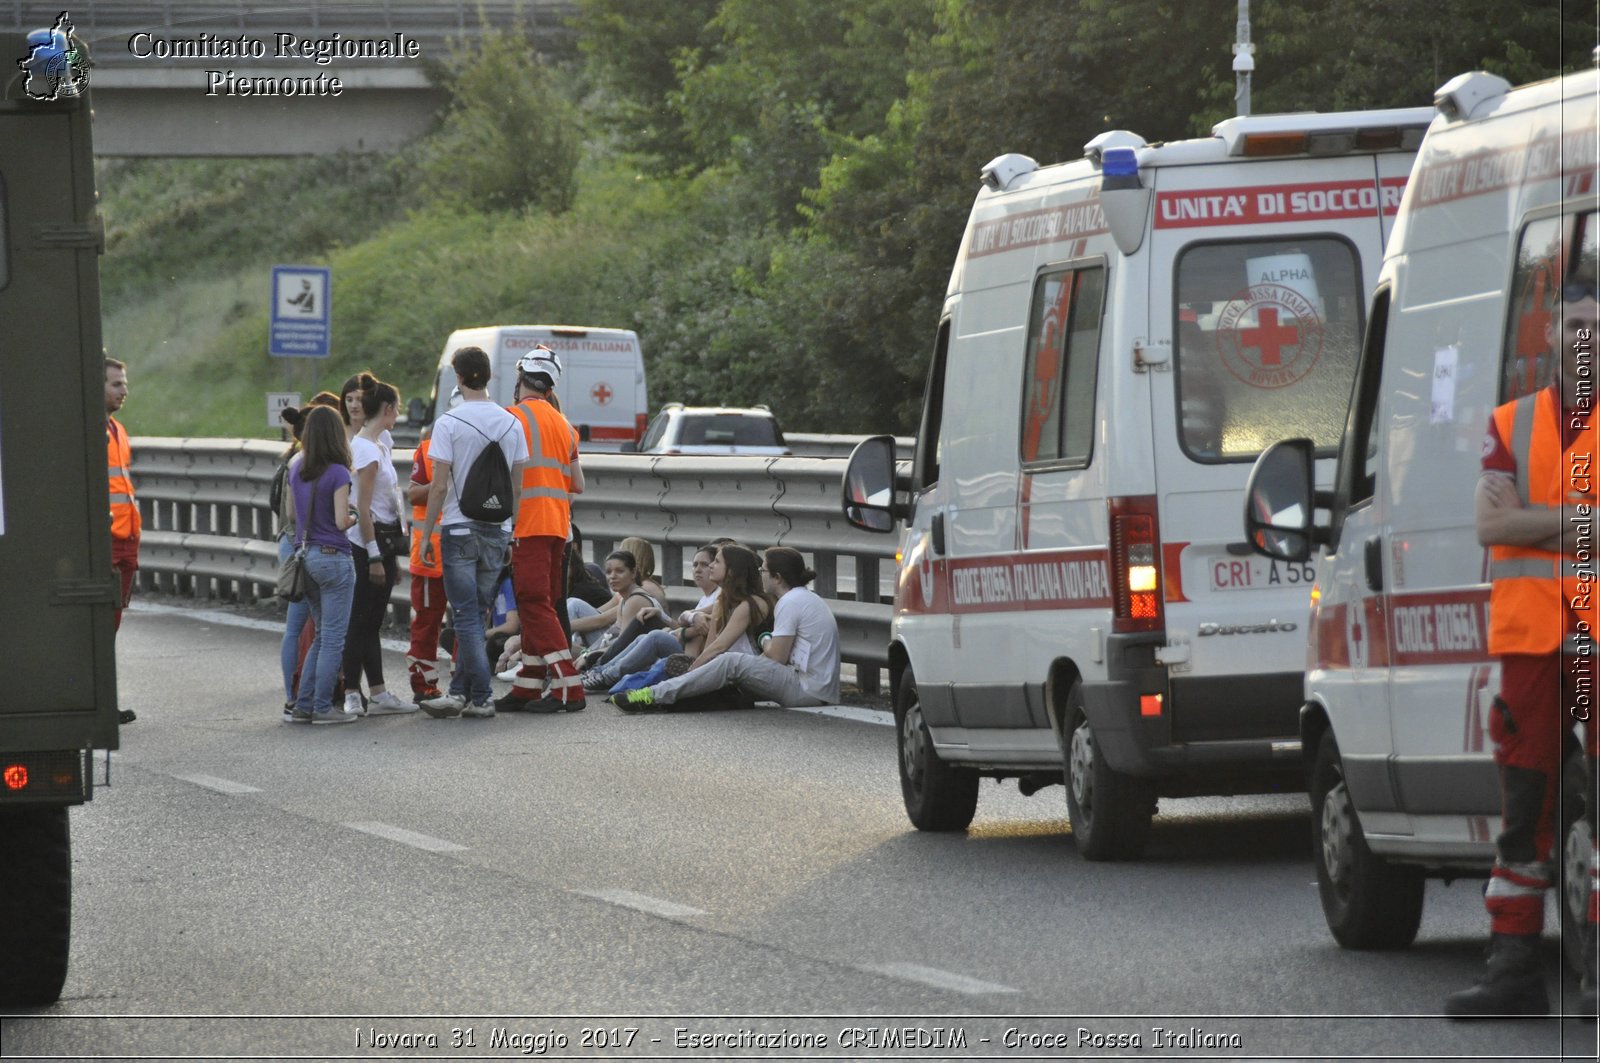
(938, 796)
(36, 895)
(1577, 854)
(1369, 903)
(1110, 811)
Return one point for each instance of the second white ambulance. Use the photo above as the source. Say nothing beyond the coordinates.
(602, 387)
(1501, 215)
(1121, 337)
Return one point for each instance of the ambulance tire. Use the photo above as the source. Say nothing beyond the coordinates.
(1110, 812)
(1577, 853)
(36, 897)
(1369, 903)
(938, 797)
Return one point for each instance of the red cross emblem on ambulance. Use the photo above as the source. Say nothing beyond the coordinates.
(1269, 336)
(601, 393)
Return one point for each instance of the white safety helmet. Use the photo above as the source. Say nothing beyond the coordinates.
(541, 361)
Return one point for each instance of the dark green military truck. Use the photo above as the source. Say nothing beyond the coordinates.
(58, 700)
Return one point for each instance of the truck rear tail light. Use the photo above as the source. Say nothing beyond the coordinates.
(1135, 565)
(1150, 704)
(31, 776)
(640, 423)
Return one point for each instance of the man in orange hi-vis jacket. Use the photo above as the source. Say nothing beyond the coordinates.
(1535, 510)
(427, 586)
(125, 522)
(548, 680)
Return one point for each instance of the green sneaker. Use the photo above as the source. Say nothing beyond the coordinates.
(634, 700)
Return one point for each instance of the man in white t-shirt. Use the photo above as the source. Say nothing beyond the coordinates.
(473, 550)
(798, 666)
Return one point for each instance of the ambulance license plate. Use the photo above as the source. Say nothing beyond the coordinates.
(1257, 573)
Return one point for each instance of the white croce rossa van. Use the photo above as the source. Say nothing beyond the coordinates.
(602, 389)
(1121, 337)
(1500, 213)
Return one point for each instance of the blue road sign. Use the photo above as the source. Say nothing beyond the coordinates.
(302, 319)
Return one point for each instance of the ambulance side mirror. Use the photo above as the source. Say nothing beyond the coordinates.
(416, 410)
(1280, 501)
(868, 499)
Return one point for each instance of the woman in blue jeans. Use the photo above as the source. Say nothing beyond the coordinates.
(299, 612)
(320, 482)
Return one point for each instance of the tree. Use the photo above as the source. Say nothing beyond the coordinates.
(510, 138)
(633, 50)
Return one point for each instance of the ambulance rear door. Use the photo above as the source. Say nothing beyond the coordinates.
(1258, 285)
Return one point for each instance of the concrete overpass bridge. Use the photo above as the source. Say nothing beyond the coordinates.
(240, 78)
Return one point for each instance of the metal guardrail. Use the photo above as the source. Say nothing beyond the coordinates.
(819, 445)
(209, 532)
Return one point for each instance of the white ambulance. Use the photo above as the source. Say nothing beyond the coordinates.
(1500, 213)
(602, 388)
(1121, 337)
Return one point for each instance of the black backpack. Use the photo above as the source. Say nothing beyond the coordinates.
(485, 493)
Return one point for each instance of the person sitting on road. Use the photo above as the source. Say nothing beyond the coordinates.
(593, 625)
(798, 666)
(645, 555)
(683, 633)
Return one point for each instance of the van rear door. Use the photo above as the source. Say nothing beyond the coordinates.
(1257, 298)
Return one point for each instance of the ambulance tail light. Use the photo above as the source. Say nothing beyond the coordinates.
(1135, 565)
(641, 421)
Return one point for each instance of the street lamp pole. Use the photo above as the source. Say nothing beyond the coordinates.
(1244, 62)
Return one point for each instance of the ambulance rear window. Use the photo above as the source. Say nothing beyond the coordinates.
(1266, 341)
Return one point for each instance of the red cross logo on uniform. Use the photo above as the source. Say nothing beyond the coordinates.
(600, 393)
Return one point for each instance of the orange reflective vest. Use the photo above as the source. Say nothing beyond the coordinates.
(1536, 597)
(125, 521)
(545, 507)
(422, 473)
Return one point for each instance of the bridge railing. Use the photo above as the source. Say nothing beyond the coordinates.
(106, 25)
(209, 531)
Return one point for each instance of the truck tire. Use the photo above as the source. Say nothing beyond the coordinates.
(1576, 856)
(938, 797)
(36, 897)
(1369, 903)
(1110, 811)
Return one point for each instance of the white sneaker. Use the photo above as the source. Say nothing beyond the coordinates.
(510, 674)
(479, 712)
(445, 706)
(386, 704)
(352, 703)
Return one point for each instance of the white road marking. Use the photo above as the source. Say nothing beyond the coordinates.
(407, 837)
(849, 712)
(932, 976)
(221, 786)
(641, 902)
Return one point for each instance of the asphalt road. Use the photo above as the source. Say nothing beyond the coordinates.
(250, 888)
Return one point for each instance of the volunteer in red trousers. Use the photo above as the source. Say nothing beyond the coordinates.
(1535, 510)
(544, 518)
(427, 587)
(125, 521)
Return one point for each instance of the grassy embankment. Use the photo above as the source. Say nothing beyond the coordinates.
(191, 245)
